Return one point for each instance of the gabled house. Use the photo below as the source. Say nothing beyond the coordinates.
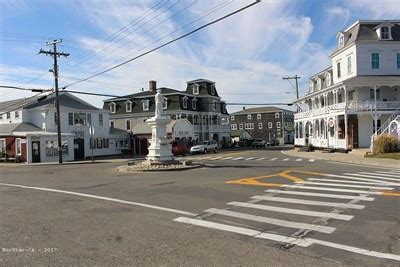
(359, 94)
(28, 129)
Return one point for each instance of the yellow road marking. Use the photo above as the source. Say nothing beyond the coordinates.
(391, 194)
(285, 174)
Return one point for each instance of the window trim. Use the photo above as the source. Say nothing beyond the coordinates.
(113, 107)
(379, 60)
(194, 103)
(126, 124)
(338, 70)
(259, 116)
(196, 89)
(18, 147)
(249, 116)
(270, 125)
(128, 104)
(278, 125)
(232, 117)
(241, 126)
(101, 121)
(349, 65)
(277, 115)
(388, 32)
(184, 102)
(146, 104)
(112, 123)
(260, 125)
(234, 127)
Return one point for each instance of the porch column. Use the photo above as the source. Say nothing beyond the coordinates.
(345, 117)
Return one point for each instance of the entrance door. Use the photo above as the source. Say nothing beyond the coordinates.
(35, 151)
(79, 149)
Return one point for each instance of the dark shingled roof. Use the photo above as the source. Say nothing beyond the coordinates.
(17, 103)
(66, 100)
(18, 127)
(149, 93)
(260, 110)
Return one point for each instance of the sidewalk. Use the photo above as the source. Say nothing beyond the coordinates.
(356, 157)
(114, 160)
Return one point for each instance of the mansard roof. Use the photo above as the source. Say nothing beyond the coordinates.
(365, 30)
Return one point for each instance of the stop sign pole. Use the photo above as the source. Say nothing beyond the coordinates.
(91, 132)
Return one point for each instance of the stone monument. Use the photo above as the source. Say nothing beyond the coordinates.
(160, 148)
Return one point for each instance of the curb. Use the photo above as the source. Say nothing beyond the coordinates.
(380, 164)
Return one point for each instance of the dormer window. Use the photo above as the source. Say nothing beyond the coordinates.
(165, 103)
(194, 103)
(196, 89)
(341, 40)
(184, 102)
(112, 107)
(145, 105)
(318, 83)
(213, 89)
(311, 86)
(385, 33)
(128, 105)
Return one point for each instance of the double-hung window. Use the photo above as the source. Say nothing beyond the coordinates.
(398, 60)
(112, 107)
(348, 64)
(375, 61)
(385, 33)
(233, 126)
(101, 119)
(339, 74)
(128, 106)
(145, 105)
(184, 102)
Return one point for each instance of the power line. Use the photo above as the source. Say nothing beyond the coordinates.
(165, 44)
(25, 89)
(297, 84)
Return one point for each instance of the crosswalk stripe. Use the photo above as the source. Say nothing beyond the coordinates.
(285, 159)
(333, 189)
(347, 185)
(227, 158)
(311, 160)
(301, 242)
(273, 159)
(311, 194)
(249, 159)
(260, 159)
(239, 158)
(382, 174)
(375, 177)
(283, 223)
(390, 172)
(299, 159)
(244, 231)
(293, 211)
(355, 178)
(309, 202)
(215, 158)
(351, 182)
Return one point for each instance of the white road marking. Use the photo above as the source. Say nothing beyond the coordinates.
(382, 174)
(239, 158)
(299, 159)
(311, 194)
(352, 182)
(310, 202)
(333, 189)
(311, 160)
(392, 172)
(260, 159)
(375, 177)
(357, 250)
(283, 223)
(245, 231)
(103, 198)
(302, 242)
(215, 158)
(227, 158)
(273, 159)
(249, 159)
(355, 178)
(347, 185)
(292, 211)
(285, 159)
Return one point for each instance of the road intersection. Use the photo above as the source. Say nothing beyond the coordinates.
(282, 211)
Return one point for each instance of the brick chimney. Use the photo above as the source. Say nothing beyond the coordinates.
(244, 108)
(152, 85)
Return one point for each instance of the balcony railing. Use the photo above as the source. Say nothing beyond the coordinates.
(351, 106)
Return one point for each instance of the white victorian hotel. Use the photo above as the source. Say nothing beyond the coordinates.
(358, 95)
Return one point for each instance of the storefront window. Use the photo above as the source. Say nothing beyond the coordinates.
(52, 148)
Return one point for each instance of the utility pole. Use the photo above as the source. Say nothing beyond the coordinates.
(295, 77)
(56, 54)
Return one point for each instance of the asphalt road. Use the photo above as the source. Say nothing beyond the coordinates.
(253, 207)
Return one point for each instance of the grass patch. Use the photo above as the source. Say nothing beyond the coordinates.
(395, 155)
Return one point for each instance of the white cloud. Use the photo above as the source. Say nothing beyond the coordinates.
(372, 9)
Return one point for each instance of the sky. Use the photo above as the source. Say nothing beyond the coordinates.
(246, 54)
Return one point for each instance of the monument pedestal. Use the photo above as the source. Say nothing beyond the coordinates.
(160, 148)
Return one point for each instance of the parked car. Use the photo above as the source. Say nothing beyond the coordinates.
(273, 142)
(206, 147)
(258, 143)
(179, 148)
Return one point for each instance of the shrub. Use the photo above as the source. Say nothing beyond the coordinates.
(385, 143)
